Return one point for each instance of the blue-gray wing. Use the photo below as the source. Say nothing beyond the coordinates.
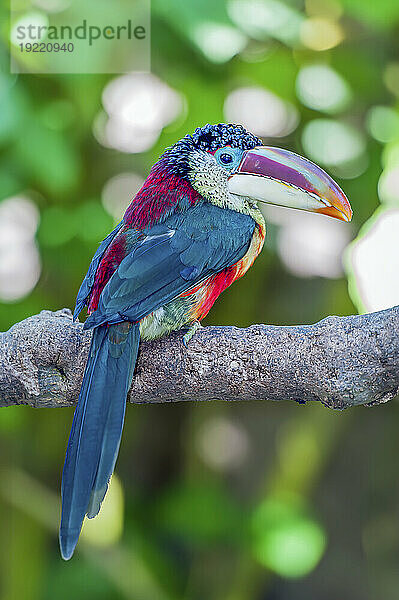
(170, 259)
(87, 283)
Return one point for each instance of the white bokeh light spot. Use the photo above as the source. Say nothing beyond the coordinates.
(52, 6)
(127, 138)
(261, 111)
(308, 244)
(388, 185)
(138, 106)
(332, 142)
(383, 123)
(218, 42)
(320, 87)
(263, 18)
(119, 191)
(374, 260)
(337, 145)
(19, 256)
(35, 19)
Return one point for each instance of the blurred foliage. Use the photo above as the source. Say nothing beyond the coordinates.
(300, 502)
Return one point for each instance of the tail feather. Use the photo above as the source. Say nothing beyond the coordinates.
(114, 424)
(97, 428)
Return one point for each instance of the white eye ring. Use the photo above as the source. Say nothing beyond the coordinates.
(228, 157)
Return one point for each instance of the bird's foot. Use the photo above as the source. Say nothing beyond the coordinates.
(191, 331)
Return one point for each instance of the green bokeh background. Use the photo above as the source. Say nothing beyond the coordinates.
(310, 508)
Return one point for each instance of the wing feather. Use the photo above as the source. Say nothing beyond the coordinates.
(170, 259)
(88, 281)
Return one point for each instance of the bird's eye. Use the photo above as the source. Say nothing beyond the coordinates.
(226, 159)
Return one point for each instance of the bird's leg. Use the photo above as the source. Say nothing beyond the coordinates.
(191, 331)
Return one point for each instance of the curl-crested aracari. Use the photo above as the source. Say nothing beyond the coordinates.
(192, 229)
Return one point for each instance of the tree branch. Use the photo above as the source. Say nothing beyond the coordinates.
(340, 361)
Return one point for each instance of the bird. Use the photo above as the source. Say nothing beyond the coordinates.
(193, 228)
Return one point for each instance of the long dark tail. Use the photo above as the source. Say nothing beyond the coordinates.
(97, 427)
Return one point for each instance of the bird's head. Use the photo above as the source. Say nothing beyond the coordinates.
(230, 167)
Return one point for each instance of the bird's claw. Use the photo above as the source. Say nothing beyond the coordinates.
(190, 332)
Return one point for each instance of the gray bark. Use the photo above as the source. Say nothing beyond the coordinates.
(340, 361)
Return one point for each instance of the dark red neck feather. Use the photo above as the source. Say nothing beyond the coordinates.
(162, 194)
